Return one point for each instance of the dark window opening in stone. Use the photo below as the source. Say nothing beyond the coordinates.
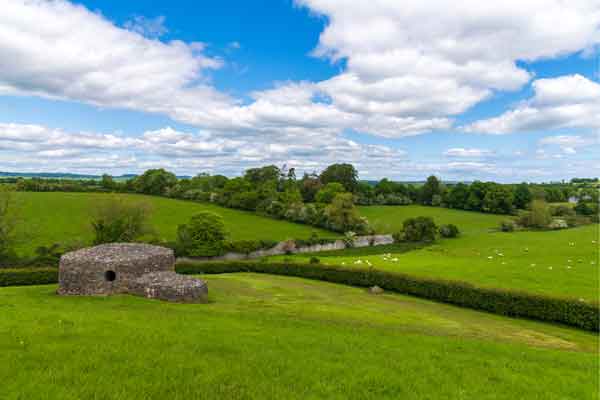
(110, 276)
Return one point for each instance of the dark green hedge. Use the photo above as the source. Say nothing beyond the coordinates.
(28, 276)
(499, 301)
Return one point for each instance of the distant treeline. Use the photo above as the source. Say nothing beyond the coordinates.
(326, 199)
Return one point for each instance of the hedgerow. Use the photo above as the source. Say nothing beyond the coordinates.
(510, 303)
(580, 314)
(28, 276)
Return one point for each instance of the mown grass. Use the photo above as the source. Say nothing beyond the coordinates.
(266, 337)
(48, 218)
(556, 263)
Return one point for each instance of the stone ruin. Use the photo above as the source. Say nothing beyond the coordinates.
(134, 268)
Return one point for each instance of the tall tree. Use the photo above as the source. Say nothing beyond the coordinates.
(341, 173)
(430, 189)
(522, 196)
(154, 181)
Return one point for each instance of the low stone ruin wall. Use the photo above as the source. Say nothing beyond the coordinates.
(289, 247)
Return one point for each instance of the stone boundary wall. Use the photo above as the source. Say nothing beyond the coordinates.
(289, 247)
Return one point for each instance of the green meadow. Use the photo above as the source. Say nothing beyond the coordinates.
(556, 263)
(271, 337)
(57, 217)
(389, 219)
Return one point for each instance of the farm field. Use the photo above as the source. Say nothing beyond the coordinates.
(56, 217)
(388, 219)
(556, 263)
(268, 337)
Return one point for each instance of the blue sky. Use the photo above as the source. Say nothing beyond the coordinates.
(399, 90)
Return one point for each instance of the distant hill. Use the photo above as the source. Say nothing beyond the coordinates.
(66, 175)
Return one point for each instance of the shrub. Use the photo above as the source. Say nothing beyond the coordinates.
(349, 239)
(314, 260)
(203, 236)
(584, 208)
(538, 215)
(562, 211)
(508, 225)
(28, 276)
(419, 229)
(314, 239)
(250, 246)
(399, 237)
(511, 303)
(47, 255)
(115, 220)
(449, 231)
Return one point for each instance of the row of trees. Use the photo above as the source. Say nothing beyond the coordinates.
(324, 200)
(279, 193)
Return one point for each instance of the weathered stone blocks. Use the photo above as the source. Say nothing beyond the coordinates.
(119, 267)
(168, 285)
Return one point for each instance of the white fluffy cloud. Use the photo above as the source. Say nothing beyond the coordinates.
(410, 66)
(570, 101)
(569, 144)
(435, 59)
(407, 68)
(467, 153)
(41, 148)
(61, 50)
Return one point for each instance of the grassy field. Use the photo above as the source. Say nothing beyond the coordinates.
(49, 218)
(388, 219)
(557, 263)
(267, 337)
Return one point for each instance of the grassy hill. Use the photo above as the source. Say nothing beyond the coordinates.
(266, 337)
(55, 217)
(557, 263)
(388, 219)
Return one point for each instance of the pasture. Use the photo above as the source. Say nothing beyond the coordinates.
(57, 217)
(268, 337)
(388, 219)
(556, 263)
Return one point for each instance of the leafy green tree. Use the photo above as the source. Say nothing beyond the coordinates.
(498, 200)
(432, 187)
(232, 188)
(345, 174)
(342, 215)
(245, 200)
(291, 196)
(203, 236)
(117, 220)
(328, 192)
(522, 196)
(538, 216)
(154, 181)
(458, 196)
(309, 186)
(107, 182)
(419, 229)
(385, 186)
(259, 176)
(365, 194)
(477, 192)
